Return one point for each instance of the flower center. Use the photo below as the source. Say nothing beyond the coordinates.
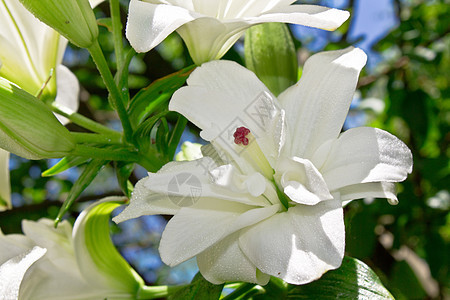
(252, 153)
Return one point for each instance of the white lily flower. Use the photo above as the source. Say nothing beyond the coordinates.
(30, 55)
(32, 52)
(270, 201)
(66, 264)
(210, 27)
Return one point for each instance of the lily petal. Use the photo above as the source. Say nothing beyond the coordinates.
(13, 271)
(193, 230)
(248, 104)
(371, 189)
(180, 184)
(233, 9)
(96, 256)
(215, 40)
(94, 3)
(224, 261)
(366, 154)
(219, 35)
(20, 34)
(301, 181)
(67, 93)
(149, 24)
(307, 15)
(299, 245)
(228, 176)
(56, 275)
(145, 202)
(317, 105)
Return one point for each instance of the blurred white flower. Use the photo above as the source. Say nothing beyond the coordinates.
(270, 201)
(48, 263)
(189, 151)
(30, 57)
(210, 27)
(31, 53)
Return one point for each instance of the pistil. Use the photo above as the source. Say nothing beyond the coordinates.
(252, 152)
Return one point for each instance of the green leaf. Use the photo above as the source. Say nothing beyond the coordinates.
(199, 288)
(65, 164)
(105, 22)
(161, 139)
(89, 173)
(404, 282)
(149, 99)
(353, 280)
(143, 134)
(275, 289)
(123, 172)
(121, 77)
(3, 203)
(175, 136)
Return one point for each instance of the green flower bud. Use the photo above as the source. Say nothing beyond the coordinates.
(27, 126)
(270, 54)
(74, 19)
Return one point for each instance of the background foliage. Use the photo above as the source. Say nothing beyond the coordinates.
(405, 89)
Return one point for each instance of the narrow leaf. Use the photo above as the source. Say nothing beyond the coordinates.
(353, 280)
(123, 172)
(175, 136)
(65, 164)
(162, 137)
(89, 173)
(199, 288)
(143, 134)
(157, 94)
(121, 76)
(105, 22)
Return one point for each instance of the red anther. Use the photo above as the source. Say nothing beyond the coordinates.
(240, 136)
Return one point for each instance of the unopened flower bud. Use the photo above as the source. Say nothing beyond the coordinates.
(270, 54)
(74, 19)
(27, 126)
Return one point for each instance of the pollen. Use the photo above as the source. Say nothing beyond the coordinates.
(240, 136)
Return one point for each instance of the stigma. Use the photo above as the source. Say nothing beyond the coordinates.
(240, 136)
(251, 152)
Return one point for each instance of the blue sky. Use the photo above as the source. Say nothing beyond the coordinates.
(370, 21)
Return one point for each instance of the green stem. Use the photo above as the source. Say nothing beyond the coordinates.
(116, 96)
(86, 122)
(105, 154)
(117, 32)
(94, 138)
(154, 292)
(243, 289)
